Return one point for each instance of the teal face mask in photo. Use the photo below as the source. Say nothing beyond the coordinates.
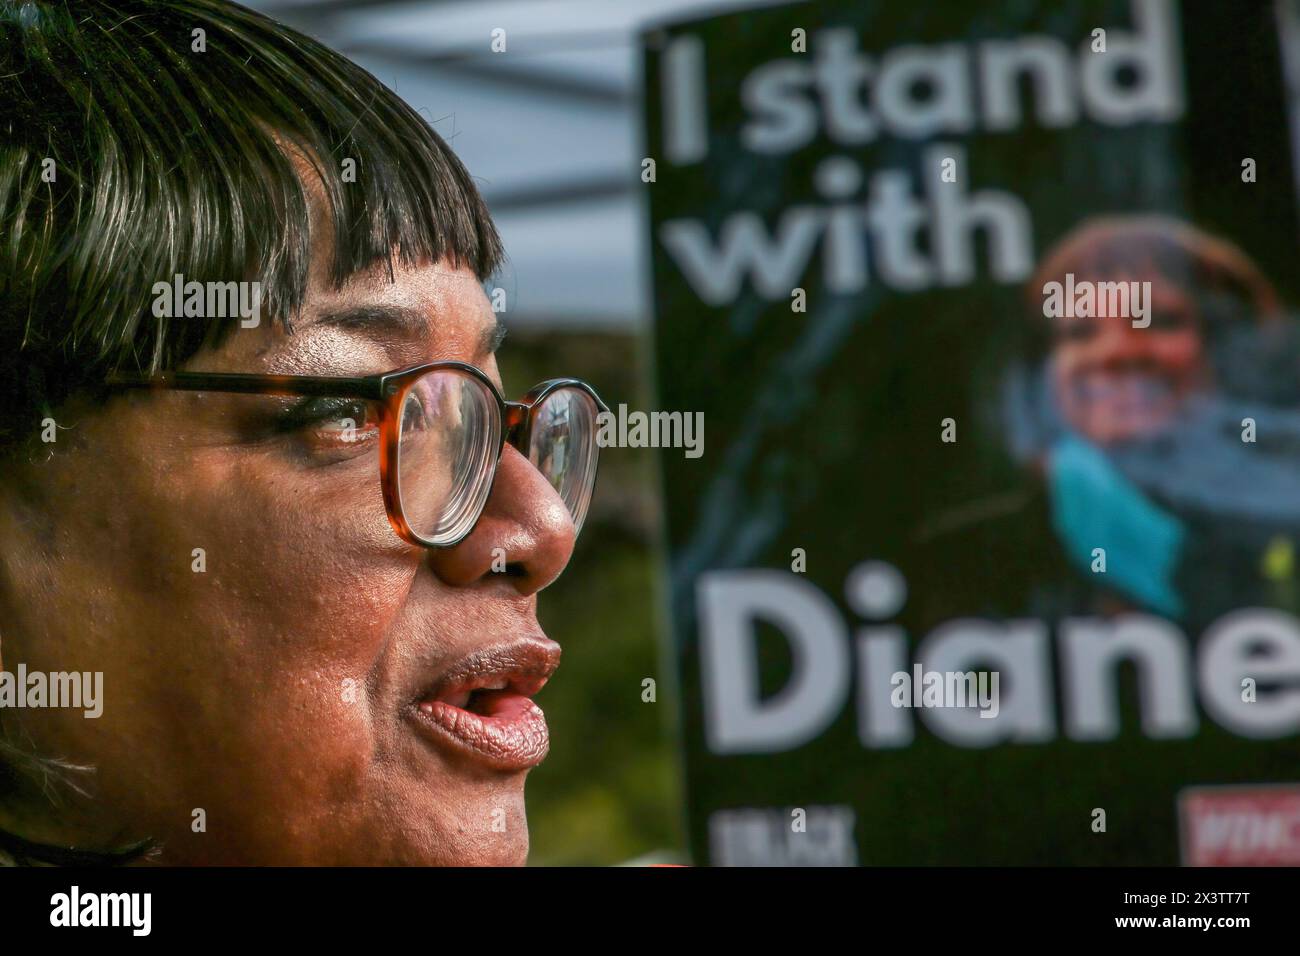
(1095, 506)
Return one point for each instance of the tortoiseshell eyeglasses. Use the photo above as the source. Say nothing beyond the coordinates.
(442, 428)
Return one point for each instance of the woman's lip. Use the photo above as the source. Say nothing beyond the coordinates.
(506, 730)
(525, 664)
(511, 735)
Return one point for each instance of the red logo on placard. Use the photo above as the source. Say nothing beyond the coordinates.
(1241, 826)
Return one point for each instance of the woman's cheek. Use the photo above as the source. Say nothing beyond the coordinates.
(1182, 355)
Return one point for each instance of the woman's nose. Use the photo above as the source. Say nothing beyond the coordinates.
(525, 534)
(1120, 342)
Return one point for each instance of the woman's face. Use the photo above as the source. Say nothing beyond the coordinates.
(277, 690)
(1114, 381)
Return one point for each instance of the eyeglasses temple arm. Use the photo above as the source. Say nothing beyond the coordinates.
(370, 387)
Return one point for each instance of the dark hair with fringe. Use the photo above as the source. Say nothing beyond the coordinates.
(168, 160)
(128, 155)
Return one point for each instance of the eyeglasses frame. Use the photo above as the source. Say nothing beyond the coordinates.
(388, 390)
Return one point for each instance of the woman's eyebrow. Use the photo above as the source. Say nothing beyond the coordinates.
(399, 322)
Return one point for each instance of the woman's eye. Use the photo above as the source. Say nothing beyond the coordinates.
(1075, 331)
(1170, 321)
(332, 420)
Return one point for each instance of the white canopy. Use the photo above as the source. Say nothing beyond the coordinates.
(550, 127)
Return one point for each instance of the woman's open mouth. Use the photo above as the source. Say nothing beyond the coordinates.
(482, 707)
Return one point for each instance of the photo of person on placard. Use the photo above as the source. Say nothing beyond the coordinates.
(1158, 353)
